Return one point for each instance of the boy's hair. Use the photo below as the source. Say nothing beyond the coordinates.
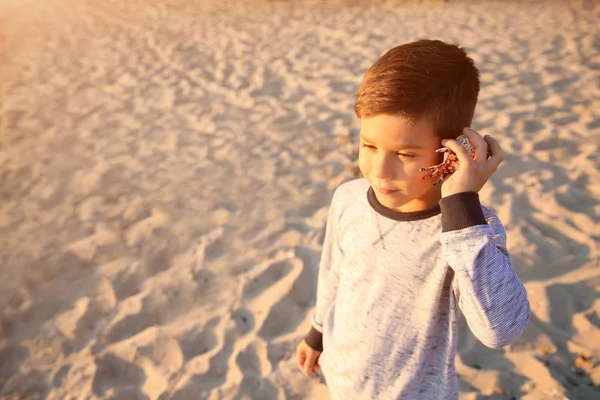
(424, 79)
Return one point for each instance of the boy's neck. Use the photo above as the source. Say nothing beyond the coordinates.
(428, 201)
(420, 204)
(407, 214)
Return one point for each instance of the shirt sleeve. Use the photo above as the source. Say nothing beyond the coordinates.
(489, 292)
(328, 278)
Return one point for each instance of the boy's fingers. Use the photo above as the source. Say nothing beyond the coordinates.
(309, 365)
(307, 371)
(301, 359)
(497, 156)
(461, 152)
(481, 146)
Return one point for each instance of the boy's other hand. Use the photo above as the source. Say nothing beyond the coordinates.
(307, 359)
(472, 174)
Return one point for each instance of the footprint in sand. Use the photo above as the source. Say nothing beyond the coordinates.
(144, 229)
(254, 360)
(103, 298)
(166, 355)
(44, 353)
(190, 392)
(556, 144)
(194, 343)
(60, 375)
(253, 387)
(126, 278)
(266, 279)
(218, 366)
(87, 248)
(157, 253)
(68, 323)
(291, 310)
(214, 246)
(159, 307)
(279, 351)
(80, 324)
(283, 318)
(24, 385)
(137, 319)
(305, 286)
(566, 301)
(116, 374)
(12, 357)
(18, 303)
(249, 362)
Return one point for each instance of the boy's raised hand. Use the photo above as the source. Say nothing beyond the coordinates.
(472, 174)
(307, 358)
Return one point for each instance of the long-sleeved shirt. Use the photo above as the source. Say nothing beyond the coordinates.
(392, 285)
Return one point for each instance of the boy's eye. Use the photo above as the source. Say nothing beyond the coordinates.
(401, 155)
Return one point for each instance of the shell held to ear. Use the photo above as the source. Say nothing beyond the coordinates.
(450, 162)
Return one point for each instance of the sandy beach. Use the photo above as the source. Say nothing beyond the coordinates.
(166, 168)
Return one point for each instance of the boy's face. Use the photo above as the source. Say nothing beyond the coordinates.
(392, 152)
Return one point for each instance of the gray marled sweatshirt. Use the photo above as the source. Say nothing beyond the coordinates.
(392, 286)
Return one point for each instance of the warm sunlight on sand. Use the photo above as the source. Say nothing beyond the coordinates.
(166, 169)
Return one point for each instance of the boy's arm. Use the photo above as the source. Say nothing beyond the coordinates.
(492, 298)
(328, 279)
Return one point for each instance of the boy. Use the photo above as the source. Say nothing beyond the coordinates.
(402, 257)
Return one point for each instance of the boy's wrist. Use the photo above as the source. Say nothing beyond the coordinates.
(314, 339)
(461, 210)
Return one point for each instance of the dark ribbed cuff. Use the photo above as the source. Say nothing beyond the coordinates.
(314, 339)
(461, 210)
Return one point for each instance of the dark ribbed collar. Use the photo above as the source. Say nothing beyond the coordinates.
(399, 215)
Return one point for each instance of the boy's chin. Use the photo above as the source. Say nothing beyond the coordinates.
(394, 200)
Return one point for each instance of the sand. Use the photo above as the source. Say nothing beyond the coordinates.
(166, 169)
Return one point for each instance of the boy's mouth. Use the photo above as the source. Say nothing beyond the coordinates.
(385, 191)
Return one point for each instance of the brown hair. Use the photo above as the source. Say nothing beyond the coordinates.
(424, 79)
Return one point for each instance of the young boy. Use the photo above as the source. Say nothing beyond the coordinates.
(402, 257)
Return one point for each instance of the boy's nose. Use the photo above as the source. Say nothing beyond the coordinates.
(383, 167)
